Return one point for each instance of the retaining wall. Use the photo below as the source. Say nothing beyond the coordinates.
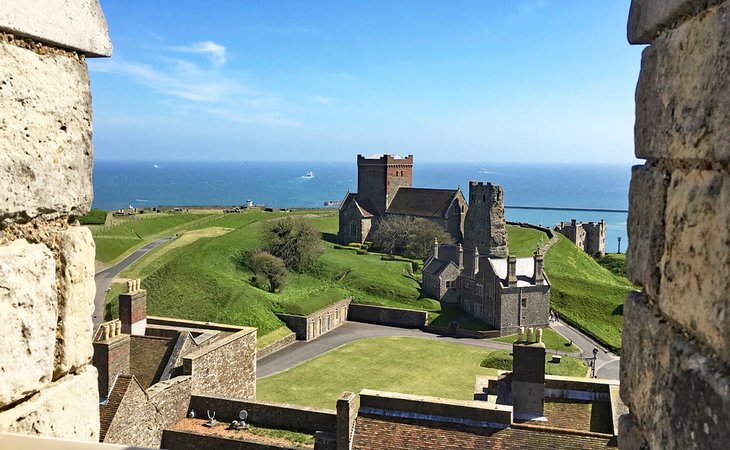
(393, 317)
(276, 346)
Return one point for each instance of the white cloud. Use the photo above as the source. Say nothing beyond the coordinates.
(321, 99)
(215, 52)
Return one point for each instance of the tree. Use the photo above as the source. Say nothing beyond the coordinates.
(269, 272)
(409, 236)
(422, 236)
(294, 240)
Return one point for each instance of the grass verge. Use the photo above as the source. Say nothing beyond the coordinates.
(568, 366)
(397, 364)
(551, 338)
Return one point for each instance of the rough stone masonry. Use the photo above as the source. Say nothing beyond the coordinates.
(47, 384)
(675, 366)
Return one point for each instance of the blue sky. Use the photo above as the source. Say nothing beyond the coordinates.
(483, 81)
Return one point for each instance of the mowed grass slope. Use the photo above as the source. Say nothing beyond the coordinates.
(523, 241)
(586, 294)
(115, 242)
(397, 364)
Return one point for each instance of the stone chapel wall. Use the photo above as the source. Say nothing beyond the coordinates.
(47, 383)
(675, 365)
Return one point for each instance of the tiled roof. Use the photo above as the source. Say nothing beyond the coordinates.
(592, 416)
(148, 356)
(409, 434)
(420, 202)
(108, 410)
(436, 266)
(364, 206)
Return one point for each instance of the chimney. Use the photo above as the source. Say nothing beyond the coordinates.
(435, 248)
(346, 415)
(475, 269)
(528, 376)
(512, 271)
(572, 222)
(460, 256)
(133, 309)
(539, 266)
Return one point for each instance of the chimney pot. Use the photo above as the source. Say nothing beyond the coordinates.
(538, 335)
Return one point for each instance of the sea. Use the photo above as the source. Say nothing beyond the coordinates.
(146, 184)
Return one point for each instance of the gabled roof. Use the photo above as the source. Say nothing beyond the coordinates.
(435, 266)
(525, 271)
(420, 202)
(364, 207)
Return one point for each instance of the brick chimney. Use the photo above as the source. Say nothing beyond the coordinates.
(528, 375)
(512, 271)
(539, 266)
(133, 309)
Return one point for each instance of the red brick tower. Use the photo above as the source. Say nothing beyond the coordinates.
(380, 176)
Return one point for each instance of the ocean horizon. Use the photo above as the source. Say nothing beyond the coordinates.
(147, 184)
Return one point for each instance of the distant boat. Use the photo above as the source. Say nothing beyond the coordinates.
(309, 174)
(155, 166)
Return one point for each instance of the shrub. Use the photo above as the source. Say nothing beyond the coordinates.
(415, 266)
(409, 236)
(93, 217)
(269, 272)
(294, 240)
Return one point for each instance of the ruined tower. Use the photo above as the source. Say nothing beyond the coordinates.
(484, 227)
(380, 176)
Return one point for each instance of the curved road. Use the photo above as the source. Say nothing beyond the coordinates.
(300, 351)
(104, 278)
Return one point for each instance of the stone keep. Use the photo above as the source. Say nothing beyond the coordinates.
(675, 367)
(47, 385)
(484, 227)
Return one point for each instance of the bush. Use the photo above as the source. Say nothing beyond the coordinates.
(409, 236)
(93, 217)
(269, 272)
(295, 241)
(415, 267)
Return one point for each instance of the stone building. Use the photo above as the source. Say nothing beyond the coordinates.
(589, 236)
(384, 188)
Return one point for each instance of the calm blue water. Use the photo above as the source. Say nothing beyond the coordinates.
(118, 184)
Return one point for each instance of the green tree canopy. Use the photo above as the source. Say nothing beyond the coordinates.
(294, 240)
(409, 236)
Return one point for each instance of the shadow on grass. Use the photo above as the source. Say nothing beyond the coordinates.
(330, 237)
(618, 311)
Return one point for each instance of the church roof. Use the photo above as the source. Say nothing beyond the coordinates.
(422, 202)
(364, 206)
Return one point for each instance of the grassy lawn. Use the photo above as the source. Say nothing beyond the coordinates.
(615, 262)
(524, 241)
(586, 294)
(568, 366)
(115, 242)
(551, 338)
(397, 364)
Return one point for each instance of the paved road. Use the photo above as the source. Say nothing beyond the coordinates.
(299, 352)
(104, 278)
(607, 364)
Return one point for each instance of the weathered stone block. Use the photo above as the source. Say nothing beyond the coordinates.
(70, 24)
(663, 374)
(28, 310)
(629, 435)
(696, 266)
(647, 201)
(45, 127)
(649, 17)
(683, 93)
(68, 409)
(76, 298)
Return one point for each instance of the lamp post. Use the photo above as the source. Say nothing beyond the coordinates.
(593, 363)
(619, 244)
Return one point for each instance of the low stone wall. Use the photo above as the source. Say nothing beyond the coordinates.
(319, 322)
(268, 414)
(193, 324)
(276, 346)
(183, 440)
(460, 332)
(392, 317)
(437, 409)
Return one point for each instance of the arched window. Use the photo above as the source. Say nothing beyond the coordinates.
(484, 197)
(353, 228)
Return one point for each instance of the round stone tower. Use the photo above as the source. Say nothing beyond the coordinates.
(484, 227)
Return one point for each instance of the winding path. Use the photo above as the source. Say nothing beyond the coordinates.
(104, 278)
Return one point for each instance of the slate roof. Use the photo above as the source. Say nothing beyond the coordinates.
(364, 206)
(148, 356)
(436, 266)
(420, 202)
(108, 410)
(375, 432)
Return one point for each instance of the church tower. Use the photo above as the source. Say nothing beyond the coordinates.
(484, 227)
(380, 176)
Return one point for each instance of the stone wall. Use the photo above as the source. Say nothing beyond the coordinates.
(675, 364)
(183, 440)
(111, 358)
(268, 414)
(392, 317)
(47, 385)
(226, 367)
(319, 322)
(276, 346)
(484, 225)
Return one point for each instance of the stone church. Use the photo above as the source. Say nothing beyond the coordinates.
(384, 189)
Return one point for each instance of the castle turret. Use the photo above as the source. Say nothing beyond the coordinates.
(484, 227)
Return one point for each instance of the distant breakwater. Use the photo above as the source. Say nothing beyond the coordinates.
(566, 208)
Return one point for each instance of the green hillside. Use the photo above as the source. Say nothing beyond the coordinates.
(586, 294)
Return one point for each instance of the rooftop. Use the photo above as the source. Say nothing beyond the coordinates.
(525, 270)
(421, 202)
